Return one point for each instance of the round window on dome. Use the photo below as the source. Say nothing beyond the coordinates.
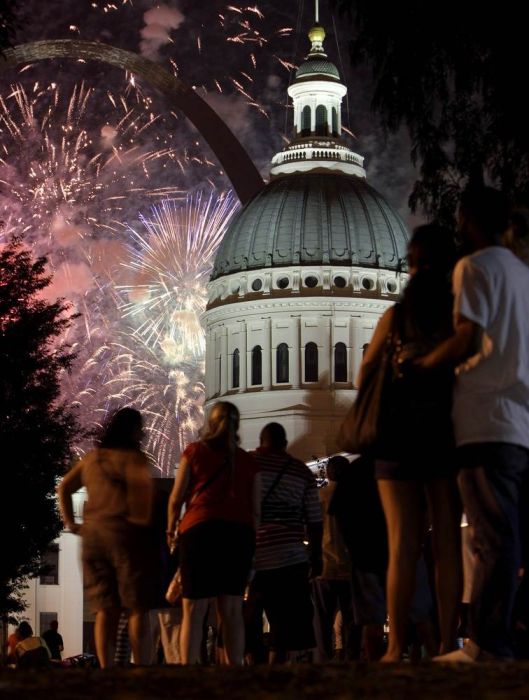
(257, 285)
(367, 283)
(282, 282)
(311, 281)
(391, 286)
(340, 282)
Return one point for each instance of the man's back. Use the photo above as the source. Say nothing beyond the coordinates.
(289, 502)
(55, 644)
(491, 399)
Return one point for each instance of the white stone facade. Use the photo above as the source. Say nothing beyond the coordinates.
(65, 597)
(284, 325)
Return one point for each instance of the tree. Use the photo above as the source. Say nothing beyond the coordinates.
(454, 74)
(36, 429)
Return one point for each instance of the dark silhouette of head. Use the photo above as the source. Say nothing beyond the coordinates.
(431, 248)
(273, 437)
(483, 217)
(427, 299)
(25, 630)
(222, 425)
(54, 625)
(336, 467)
(123, 431)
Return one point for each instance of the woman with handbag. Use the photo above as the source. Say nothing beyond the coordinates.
(413, 446)
(218, 484)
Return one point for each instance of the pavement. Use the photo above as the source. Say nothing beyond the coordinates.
(484, 681)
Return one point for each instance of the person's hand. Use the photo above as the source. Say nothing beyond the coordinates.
(171, 539)
(422, 364)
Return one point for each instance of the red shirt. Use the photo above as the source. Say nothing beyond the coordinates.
(229, 497)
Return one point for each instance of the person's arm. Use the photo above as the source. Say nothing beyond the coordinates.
(71, 483)
(257, 495)
(454, 350)
(176, 499)
(376, 347)
(139, 490)
(61, 643)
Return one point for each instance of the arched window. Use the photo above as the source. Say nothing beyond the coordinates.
(235, 364)
(305, 121)
(257, 365)
(321, 121)
(340, 362)
(311, 362)
(334, 122)
(282, 363)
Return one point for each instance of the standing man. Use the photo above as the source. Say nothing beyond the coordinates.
(54, 641)
(490, 348)
(290, 517)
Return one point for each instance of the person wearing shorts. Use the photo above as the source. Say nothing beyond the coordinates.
(290, 515)
(219, 485)
(116, 553)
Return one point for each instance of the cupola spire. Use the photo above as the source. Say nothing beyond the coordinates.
(317, 93)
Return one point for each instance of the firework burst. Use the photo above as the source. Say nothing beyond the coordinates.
(171, 264)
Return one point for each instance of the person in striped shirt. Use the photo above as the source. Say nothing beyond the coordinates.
(284, 564)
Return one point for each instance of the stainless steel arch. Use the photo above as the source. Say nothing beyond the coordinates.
(236, 163)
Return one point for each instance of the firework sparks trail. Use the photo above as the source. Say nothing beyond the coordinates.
(170, 399)
(49, 161)
(172, 264)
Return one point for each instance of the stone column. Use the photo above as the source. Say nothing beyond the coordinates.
(224, 361)
(325, 352)
(243, 358)
(210, 364)
(295, 356)
(267, 355)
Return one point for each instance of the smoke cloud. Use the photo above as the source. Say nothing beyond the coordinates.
(159, 22)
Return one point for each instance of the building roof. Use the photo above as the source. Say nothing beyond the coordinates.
(317, 66)
(314, 219)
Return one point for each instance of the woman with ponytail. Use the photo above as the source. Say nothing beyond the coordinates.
(217, 483)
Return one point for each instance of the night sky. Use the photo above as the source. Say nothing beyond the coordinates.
(194, 37)
(87, 151)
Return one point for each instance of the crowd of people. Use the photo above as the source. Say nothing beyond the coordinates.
(264, 566)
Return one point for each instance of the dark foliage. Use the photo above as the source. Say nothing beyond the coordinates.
(454, 74)
(36, 430)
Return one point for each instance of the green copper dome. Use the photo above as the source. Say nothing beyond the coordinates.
(317, 67)
(314, 219)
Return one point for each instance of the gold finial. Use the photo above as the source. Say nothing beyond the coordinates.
(317, 35)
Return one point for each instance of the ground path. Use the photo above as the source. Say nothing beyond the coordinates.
(302, 682)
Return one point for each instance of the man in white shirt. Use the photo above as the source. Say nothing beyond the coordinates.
(490, 348)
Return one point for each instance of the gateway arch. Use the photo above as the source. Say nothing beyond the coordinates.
(236, 163)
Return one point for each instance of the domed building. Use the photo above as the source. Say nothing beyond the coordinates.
(302, 276)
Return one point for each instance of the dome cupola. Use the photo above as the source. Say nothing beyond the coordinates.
(317, 93)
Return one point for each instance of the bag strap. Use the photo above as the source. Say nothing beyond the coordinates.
(276, 481)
